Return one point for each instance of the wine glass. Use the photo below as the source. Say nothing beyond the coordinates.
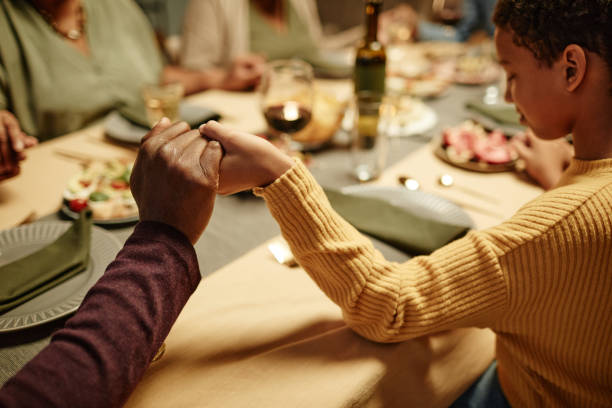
(287, 95)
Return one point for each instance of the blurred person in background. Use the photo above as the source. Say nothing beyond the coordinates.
(228, 35)
(470, 16)
(66, 63)
(454, 21)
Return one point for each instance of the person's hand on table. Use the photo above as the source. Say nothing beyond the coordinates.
(249, 161)
(398, 24)
(244, 73)
(13, 142)
(175, 177)
(545, 160)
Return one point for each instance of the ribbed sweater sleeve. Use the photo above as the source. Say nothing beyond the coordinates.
(102, 352)
(385, 301)
(541, 280)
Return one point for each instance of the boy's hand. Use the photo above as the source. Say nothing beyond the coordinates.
(544, 160)
(249, 160)
(175, 178)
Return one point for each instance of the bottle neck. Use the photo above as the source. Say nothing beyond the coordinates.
(372, 9)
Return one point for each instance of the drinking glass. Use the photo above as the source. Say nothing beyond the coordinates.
(287, 95)
(162, 100)
(369, 147)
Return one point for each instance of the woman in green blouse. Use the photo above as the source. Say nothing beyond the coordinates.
(64, 63)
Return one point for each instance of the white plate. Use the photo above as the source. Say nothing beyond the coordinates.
(417, 121)
(420, 119)
(64, 298)
(426, 205)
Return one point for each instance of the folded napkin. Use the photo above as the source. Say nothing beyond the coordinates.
(40, 271)
(413, 221)
(504, 114)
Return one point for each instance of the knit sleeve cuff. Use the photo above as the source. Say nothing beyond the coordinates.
(296, 181)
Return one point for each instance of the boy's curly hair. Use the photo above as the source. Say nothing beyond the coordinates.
(546, 27)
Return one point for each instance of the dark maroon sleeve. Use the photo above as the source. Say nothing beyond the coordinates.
(99, 356)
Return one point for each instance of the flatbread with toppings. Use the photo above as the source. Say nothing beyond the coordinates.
(104, 187)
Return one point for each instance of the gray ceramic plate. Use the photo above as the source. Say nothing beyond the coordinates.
(119, 128)
(419, 202)
(65, 298)
(111, 221)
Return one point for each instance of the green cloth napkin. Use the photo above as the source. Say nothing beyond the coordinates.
(40, 271)
(504, 114)
(402, 226)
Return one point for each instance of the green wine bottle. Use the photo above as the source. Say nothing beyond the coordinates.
(371, 59)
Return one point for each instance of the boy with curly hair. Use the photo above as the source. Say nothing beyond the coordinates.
(542, 281)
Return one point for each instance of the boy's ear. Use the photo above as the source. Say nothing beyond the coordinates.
(574, 63)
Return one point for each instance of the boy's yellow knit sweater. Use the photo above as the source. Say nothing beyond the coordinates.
(542, 281)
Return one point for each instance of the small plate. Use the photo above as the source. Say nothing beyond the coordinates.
(119, 128)
(111, 221)
(66, 297)
(478, 166)
(417, 121)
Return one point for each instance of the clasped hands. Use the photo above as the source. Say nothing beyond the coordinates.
(179, 171)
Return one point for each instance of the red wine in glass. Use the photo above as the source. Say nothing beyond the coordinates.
(288, 117)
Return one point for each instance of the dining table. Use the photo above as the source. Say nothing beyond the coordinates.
(258, 333)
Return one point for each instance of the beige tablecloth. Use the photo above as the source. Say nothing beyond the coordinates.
(260, 334)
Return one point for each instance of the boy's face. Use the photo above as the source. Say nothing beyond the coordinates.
(537, 90)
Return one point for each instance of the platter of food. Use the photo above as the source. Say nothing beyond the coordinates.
(411, 72)
(104, 187)
(470, 146)
(476, 70)
(438, 50)
(424, 87)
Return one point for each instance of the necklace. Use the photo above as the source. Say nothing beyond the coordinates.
(73, 34)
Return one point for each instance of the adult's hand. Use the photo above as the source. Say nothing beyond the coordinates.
(398, 24)
(545, 160)
(175, 178)
(12, 144)
(249, 160)
(244, 73)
